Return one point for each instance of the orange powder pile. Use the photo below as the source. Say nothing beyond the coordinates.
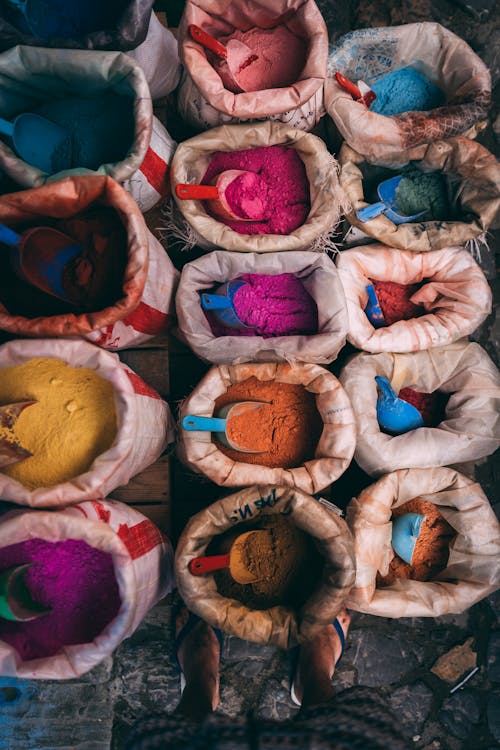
(286, 430)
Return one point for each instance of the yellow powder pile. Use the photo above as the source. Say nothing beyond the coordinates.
(73, 422)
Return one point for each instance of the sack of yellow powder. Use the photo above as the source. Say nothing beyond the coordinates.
(319, 278)
(321, 588)
(98, 567)
(432, 51)
(472, 570)
(448, 296)
(91, 209)
(205, 101)
(467, 386)
(95, 423)
(305, 434)
(471, 178)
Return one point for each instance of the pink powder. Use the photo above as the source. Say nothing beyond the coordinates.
(284, 187)
(247, 196)
(76, 581)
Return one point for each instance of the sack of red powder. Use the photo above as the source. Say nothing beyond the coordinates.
(472, 570)
(205, 101)
(317, 274)
(446, 61)
(144, 424)
(283, 626)
(470, 429)
(139, 307)
(436, 297)
(99, 566)
(195, 226)
(472, 174)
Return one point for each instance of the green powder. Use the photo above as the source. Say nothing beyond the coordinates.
(418, 192)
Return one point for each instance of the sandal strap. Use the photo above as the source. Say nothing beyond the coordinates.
(340, 632)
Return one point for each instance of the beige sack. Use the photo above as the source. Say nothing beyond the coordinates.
(471, 429)
(278, 626)
(473, 569)
(190, 163)
(476, 183)
(455, 296)
(333, 452)
(443, 57)
(315, 270)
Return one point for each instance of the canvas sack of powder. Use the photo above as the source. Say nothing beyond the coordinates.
(159, 59)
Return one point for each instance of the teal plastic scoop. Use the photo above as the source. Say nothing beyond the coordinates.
(387, 204)
(40, 142)
(219, 424)
(394, 415)
(16, 603)
(405, 532)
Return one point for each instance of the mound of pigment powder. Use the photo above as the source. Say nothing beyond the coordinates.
(287, 429)
(405, 90)
(78, 584)
(272, 305)
(290, 565)
(280, 58)
(432, 406)
(73, 421)
(432, 548)
(419, 192)
(284, 187)
(394, 300)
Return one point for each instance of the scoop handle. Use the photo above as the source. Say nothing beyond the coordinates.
(370, 212)
(349, 86)
(9, 237)
(196, 192)
(208, 41)
(6, 127)
(386, 388)
(205, 424)
(215, 302)
(200, 565)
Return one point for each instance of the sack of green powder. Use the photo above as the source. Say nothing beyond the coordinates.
(146, 305)
(470, 206)
(333, 422)
(142, 430)
(110, 557)
(315, 271)
(470, 429)
(205, 102)
(450, 296)
(432, 50)
(281, 625)
(472, 570)
(194, 226)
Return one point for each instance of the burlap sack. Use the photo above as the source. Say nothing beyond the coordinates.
(159, 59)
(143, 566)
(334, 450)
(473, 569)
(278, 626)
(443, 57)
(455, 296)
(145, 424)
(315, 270)
(471, 429)
(147, 305)
(476, 184)
(203, 100)
(190, 163)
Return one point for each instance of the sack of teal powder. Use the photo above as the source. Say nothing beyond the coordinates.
(427, 299)
(292, 308)
(469, 569)
(316, 566)
(455, 181)
(457, 388)
(128, 297)
(445, 89)
(296, 189)
(98, 568)
(92, 424)
(283, 82)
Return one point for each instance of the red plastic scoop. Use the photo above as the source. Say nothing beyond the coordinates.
(234, 560)
(236, 56)
(250, 207)
(362, 92)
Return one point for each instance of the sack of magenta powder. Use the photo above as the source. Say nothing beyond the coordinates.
(136, 300)
(98, 568)
(290, 33)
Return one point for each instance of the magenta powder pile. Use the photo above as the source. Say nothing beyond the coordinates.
(283, 188)
(76, 581)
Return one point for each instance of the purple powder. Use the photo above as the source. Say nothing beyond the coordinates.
(76, 581)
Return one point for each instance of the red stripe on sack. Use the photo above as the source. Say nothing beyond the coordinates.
(101, 511)
(140, 539)
(147, 319)
(77, 507)
(155, 170)
(140, 387)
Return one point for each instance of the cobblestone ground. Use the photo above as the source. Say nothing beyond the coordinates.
(394, 657)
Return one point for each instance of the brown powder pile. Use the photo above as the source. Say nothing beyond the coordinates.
(287, 431)
(431, 550)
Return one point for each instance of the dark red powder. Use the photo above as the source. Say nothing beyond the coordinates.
(431, 406)
(76, 581)
(394, 299)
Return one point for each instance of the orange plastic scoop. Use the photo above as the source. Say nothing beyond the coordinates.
(251, 208)
(234, 560)
(11, 451)
(236, 56)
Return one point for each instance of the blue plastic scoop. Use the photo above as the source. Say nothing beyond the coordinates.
(405, 531)
(387, 204)
(373, 310)
(16, 603)
(40, 142)
(221, 304)
(219, 424)
(394, 415)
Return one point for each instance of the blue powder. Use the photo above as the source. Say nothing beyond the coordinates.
(405, 90)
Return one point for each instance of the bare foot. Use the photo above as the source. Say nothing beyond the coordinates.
(198, 656)
(316, 663)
